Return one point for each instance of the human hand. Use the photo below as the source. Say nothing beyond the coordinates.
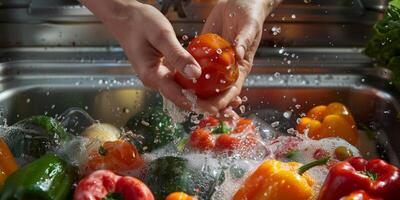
(150, 43)
(241, 23)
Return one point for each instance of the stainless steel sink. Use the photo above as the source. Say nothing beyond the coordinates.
(110, 92)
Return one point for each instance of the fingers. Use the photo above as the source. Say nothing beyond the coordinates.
(174, 54)
(169, 88)
(214, 105)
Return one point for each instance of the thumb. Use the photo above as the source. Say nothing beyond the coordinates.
(244, 40)
(175, 55)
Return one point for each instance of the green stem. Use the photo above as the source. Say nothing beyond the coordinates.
(306, 167)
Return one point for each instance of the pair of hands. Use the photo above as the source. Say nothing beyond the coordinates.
(151, 45)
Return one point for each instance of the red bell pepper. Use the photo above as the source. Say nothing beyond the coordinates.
(212, 134)
(105, 185)
(359, 195)
(376, 177)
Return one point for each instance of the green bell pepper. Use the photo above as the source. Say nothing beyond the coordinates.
(154, 129)
(170, 174)
(48, 178)
(34, 136)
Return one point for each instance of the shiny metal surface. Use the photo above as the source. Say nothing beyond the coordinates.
(111, 92)
(322, 23)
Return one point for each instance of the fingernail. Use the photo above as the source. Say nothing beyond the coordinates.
(240, 52)
(192, 71)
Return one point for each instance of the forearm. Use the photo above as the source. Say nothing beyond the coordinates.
(116, 15)
(109, 10)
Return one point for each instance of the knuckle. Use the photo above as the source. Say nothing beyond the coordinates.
(162, 35)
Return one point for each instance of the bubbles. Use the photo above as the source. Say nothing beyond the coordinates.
(293, 16)
(207, 76)
(277, 74)
(28, 100)
(219, 51)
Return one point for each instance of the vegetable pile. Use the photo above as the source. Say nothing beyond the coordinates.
(384, 46)
(152, 158)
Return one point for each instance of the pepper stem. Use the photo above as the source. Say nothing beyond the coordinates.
(306, 167)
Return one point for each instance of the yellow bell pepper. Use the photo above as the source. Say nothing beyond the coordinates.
(7, 162)
(180, 196)
(333, 120)
(275, 180)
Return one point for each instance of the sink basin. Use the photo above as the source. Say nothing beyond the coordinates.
(110, 92)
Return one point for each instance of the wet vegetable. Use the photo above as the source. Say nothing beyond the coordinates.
(47, 178)
(343, 153)
(384, 46)
(34, 136)
(170, 174)
(180, 196)
(212, 134)
(119, 156)
(376, 177)
(334, 120)
(8, 165)
(154, 129)
(359, 195)
(103, 132)
(216, 57)
(278, 180)
(105, 185)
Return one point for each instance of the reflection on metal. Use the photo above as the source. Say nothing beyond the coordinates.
(177, 5)
(66, 23)
(111, 93)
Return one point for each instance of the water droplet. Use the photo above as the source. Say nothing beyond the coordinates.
(126, 110)
(293, 16)
(217, 90)
(242, 109)
(277, 74)
(222, 81)
(207, 76)
(281, 51)
(287, 114)
(307, 1)
(185, 37)
(245, 99)
(297, 106)
(275, 124)
(28, 100)
(275, 30)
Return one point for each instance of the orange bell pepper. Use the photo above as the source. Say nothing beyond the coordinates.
(275, 180)
(118, 156)
(180, 196)
(7, 162)
(334, 120)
